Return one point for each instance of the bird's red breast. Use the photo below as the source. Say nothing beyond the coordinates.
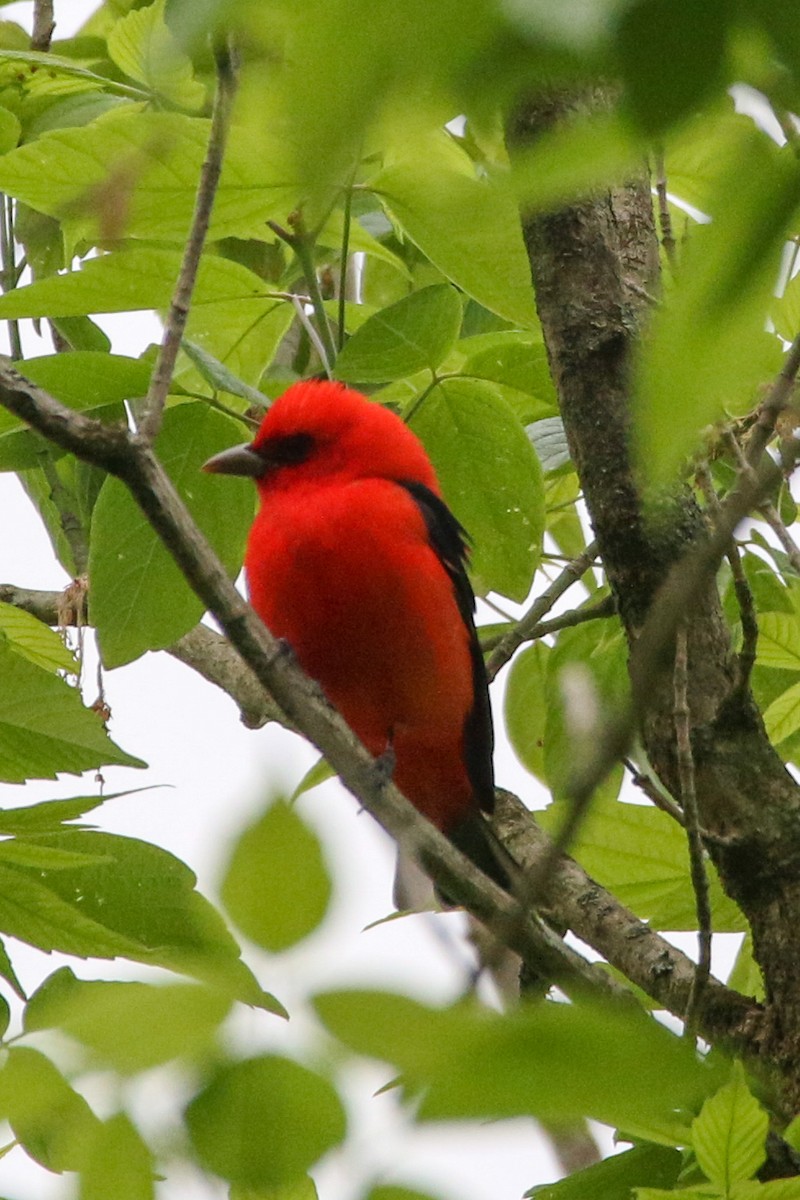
(356, 561)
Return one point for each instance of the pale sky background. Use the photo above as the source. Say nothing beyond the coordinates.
(214, 776)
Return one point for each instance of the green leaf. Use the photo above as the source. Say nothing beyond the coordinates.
(129, 1027)
(118, 1164)
(468, 227)
(82, 334)
(397, 1193)
(416, 332)
(55, 70)
(134, 173)
(730, 1133)
(314, 776)
(137, 901)
(227, 297)
(782, 718)
(34, 640)
(264, 1121)
(641, 855)
(596, 656)
(52, 1121)
(220, 378)
(551, 1060)
(706, 342)
(658, 1166)
(87, 381)
(672, 54)
(298, 1189)
(45, 728)
(10, 130)
(277, 887)
(48, 815)
(525, 709)
(144, 49)
(779, 640)
(520, 365)
(491, 478)
(745, 976)
(139, 598)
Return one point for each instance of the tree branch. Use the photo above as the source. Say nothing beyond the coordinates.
(130, 457)
(522, 631)
(630, 945)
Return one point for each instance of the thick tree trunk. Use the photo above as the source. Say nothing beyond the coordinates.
(594, 266)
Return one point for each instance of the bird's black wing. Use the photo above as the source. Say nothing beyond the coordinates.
(449, 540)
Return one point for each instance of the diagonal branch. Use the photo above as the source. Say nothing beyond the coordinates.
(667, 975)
(130, 457)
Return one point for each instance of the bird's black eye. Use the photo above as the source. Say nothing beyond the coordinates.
(288, 451)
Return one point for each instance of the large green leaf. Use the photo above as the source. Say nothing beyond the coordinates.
(641, 855)
(233, 317)
(409, 336)
(468, 226)
(139, 598)
(263, 1122)
(135, 901)
(672, 55)
(277, 887)
(551, 1060)
(45, 728)
(35, 641)
(491, 478)
(142, 46)
(525, 707)
(730, 1133)
(129, 1027)
(134, 173)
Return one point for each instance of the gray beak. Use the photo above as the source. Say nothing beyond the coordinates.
(239, 460)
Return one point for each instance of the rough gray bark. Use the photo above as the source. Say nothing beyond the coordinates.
(593, 265)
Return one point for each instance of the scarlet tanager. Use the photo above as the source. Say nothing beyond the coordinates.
(356, 561)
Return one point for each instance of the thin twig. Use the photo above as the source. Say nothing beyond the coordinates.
(175, 324)
(742, 590)
(341, 308)
(9, 269)
(654, 792)
(302, 243)
(64, 503)
(541, 605)
(592, 611)
(43, 25)
(685, 757)
(773, 518)
(664, 216)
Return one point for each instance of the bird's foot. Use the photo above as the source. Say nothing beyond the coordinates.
(385, 764)
(283, 651)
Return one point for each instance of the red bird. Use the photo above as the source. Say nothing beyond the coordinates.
(356, 561)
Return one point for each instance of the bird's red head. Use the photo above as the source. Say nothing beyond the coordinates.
(318, 429)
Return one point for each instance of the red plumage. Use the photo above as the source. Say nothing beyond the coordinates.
(356, 561)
